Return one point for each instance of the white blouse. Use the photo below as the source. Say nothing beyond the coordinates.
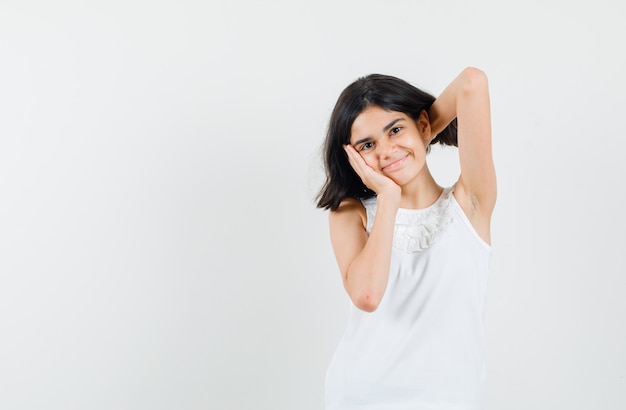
(423, 348)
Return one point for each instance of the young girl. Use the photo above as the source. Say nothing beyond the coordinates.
(414, 256)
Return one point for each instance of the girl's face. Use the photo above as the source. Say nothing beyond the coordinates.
(391, 142)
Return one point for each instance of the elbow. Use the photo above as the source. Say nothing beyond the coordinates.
(474, 79)
(367, 301)
(366, 289)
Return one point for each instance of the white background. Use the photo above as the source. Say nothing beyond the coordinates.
(160, 247)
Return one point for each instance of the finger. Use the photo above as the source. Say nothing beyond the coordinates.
(355, 156)
(350, 154)
(367, 175)
(356, 161)
(373, 179)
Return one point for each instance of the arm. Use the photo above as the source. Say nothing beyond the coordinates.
(363, 259)
(467, 99)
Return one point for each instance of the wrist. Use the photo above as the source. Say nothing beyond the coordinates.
(390, 196)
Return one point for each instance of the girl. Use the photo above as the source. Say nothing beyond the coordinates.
(414, 256)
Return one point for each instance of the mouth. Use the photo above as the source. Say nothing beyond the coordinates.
(395, 164)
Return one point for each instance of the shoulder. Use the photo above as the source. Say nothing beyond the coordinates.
(348, 233)
(350, 211)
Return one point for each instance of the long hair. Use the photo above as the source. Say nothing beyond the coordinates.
(387, 92)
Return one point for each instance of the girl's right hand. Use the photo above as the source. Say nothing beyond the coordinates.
(376, 181)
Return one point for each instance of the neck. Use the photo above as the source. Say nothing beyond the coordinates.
(420, 193)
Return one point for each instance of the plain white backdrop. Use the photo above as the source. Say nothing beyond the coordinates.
(159, 242)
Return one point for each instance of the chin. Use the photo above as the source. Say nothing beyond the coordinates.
(400, 181)
(404, 179)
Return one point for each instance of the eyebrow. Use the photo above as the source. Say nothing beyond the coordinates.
(385, 129)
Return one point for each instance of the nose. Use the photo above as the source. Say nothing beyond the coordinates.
(385, 147)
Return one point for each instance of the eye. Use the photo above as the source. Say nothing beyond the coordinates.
(366, 146)
(395, 130)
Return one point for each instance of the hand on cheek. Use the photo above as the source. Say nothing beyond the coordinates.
(373, 179)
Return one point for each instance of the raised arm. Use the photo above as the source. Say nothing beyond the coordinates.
(467, 99)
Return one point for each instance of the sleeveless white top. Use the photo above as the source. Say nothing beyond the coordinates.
(423, 348)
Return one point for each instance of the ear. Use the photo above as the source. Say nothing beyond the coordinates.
(423, 126)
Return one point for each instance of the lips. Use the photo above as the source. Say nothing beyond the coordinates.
(395, 164)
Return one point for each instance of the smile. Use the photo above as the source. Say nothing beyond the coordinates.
(394, 165)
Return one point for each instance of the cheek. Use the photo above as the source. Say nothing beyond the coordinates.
(420, 147)
(370, 160)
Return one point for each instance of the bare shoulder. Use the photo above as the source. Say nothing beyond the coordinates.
(350, 210)
(348, 232)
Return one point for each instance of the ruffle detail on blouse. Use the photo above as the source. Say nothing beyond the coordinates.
(417, 229)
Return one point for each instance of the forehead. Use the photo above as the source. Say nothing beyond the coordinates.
(372, 121)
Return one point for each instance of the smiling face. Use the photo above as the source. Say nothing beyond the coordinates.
(391, 142)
